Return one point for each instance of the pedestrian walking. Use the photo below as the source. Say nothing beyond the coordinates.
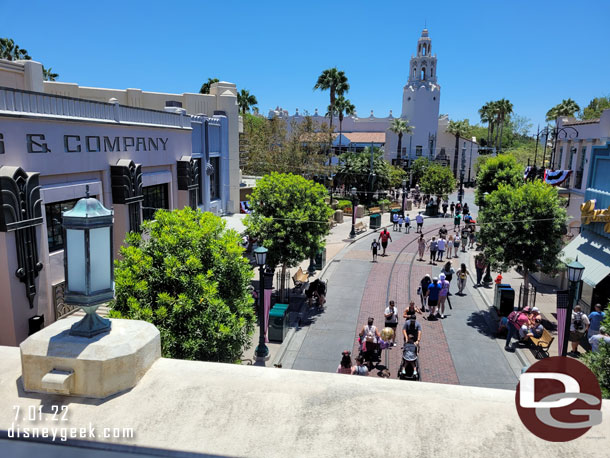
(433, 294)
(361, 368)
(465, 209)
(391, 320)
(595, 319)
(445, 209)
(472, 236)
(407, 223)
(422, 290)
(442, 295)
(384, 237)
(442, 232)
(395, 221)
(448, 271)
(433, 247)
(345, 366)
(464, 240)
(401, 221)
(462, 274)
(411, 310)
(450, 247)
(458, 208)
(578, 328)
(452, 209)
(421, 247)
(412, 328)
(480, 265)
(456, 222)
(441, 246)
(419, 219)
(374, 248)
(456, 245)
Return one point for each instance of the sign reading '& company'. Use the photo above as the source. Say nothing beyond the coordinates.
(37, 143)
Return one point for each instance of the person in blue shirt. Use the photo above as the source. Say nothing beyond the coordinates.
(433, 294)
(595, 318)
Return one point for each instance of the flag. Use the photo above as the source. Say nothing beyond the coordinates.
(528, 170)
(556, 177)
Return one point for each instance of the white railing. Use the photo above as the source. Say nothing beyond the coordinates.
(25, 102)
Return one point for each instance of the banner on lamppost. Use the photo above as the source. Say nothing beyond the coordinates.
(563, 302)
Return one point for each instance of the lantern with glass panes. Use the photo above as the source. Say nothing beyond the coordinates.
(88, 266)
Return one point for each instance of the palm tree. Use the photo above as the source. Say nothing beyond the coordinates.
(205, 87)
(565, 108)
(400, 127)
(343, 107)
(459, 129)
(48, 74)
(10, 51)
(245, 100)
(336, 82)
(505, 109)
(487, 116)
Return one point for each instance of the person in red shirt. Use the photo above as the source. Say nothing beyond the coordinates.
(384, 236)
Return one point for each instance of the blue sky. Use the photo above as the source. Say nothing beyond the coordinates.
(534, 53)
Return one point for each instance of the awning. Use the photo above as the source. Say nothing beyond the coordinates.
(593, 252)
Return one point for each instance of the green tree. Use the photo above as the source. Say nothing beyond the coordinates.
(354, 169)
(400, 127)
(188, 277)
(496, 171)
(596, 107)
(205, 87)
(289, 217)
(334, 81)
(523, 226)
(459, 129)
(397, 174)
(567, 107)
(438, 181)
(503, 109)
(11, 51)
(599, 362)
(342, 107)
(418, 168)
(245, 100)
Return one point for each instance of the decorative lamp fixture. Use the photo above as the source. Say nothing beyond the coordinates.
(354, 191)
(261, 256)
(88, 266)
(575, 271)
(404, 183)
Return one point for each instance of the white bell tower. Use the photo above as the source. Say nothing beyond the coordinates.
(420, 101)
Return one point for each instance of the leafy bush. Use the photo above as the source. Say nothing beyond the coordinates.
(190, 280)
(344, 204)
(599, 362)
(438, 181)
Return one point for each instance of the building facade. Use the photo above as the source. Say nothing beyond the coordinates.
(420, 107)
(55, 148)
(575, 143)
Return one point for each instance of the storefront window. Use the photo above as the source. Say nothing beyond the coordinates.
(215, 179)
(54, 220)
(155, 197)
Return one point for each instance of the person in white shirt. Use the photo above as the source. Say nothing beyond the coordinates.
(420, 222)
(395, 220)
(578, 328)
(391, 319)
(440, 249)
(401, 221)
(407, 224)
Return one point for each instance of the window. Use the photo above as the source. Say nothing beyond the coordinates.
(155, 197)
(583, 153)
(418, 150)
(423, 73)
(215, 179)
(573, 151)
(431, 72)
(424, 50)
(560, 157)
(55, 231)
(414, 72)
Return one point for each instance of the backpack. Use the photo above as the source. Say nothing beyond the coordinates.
(578, 324)
(370, 335)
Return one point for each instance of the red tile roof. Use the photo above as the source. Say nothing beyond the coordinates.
(365, 137)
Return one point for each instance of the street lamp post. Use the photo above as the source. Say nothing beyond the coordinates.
(575, 271)
(404, 187)
(487, 280)
(352, 234)
(261, 258)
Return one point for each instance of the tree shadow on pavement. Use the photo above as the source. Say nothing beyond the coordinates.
(483, 323)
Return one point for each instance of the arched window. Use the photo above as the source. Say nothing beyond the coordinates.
(423, 50)
(414, 72)
(423, 73)
(431, 72)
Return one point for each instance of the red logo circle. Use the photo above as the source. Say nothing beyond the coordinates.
(559, 399)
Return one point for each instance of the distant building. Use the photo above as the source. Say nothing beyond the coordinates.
(420, 106)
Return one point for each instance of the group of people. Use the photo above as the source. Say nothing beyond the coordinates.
(398, 221)
(446, 243)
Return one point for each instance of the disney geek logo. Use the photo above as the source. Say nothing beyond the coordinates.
(559, 399)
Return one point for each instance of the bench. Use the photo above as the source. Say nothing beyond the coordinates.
(542, 344)
(360, 227)
(395, 207)
(373, 210)
(299, 279)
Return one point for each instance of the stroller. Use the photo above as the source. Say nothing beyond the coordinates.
(372, 354)
(405, 371)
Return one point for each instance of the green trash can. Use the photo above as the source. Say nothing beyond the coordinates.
(278, 324)
(375, 221)
(320, 259)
